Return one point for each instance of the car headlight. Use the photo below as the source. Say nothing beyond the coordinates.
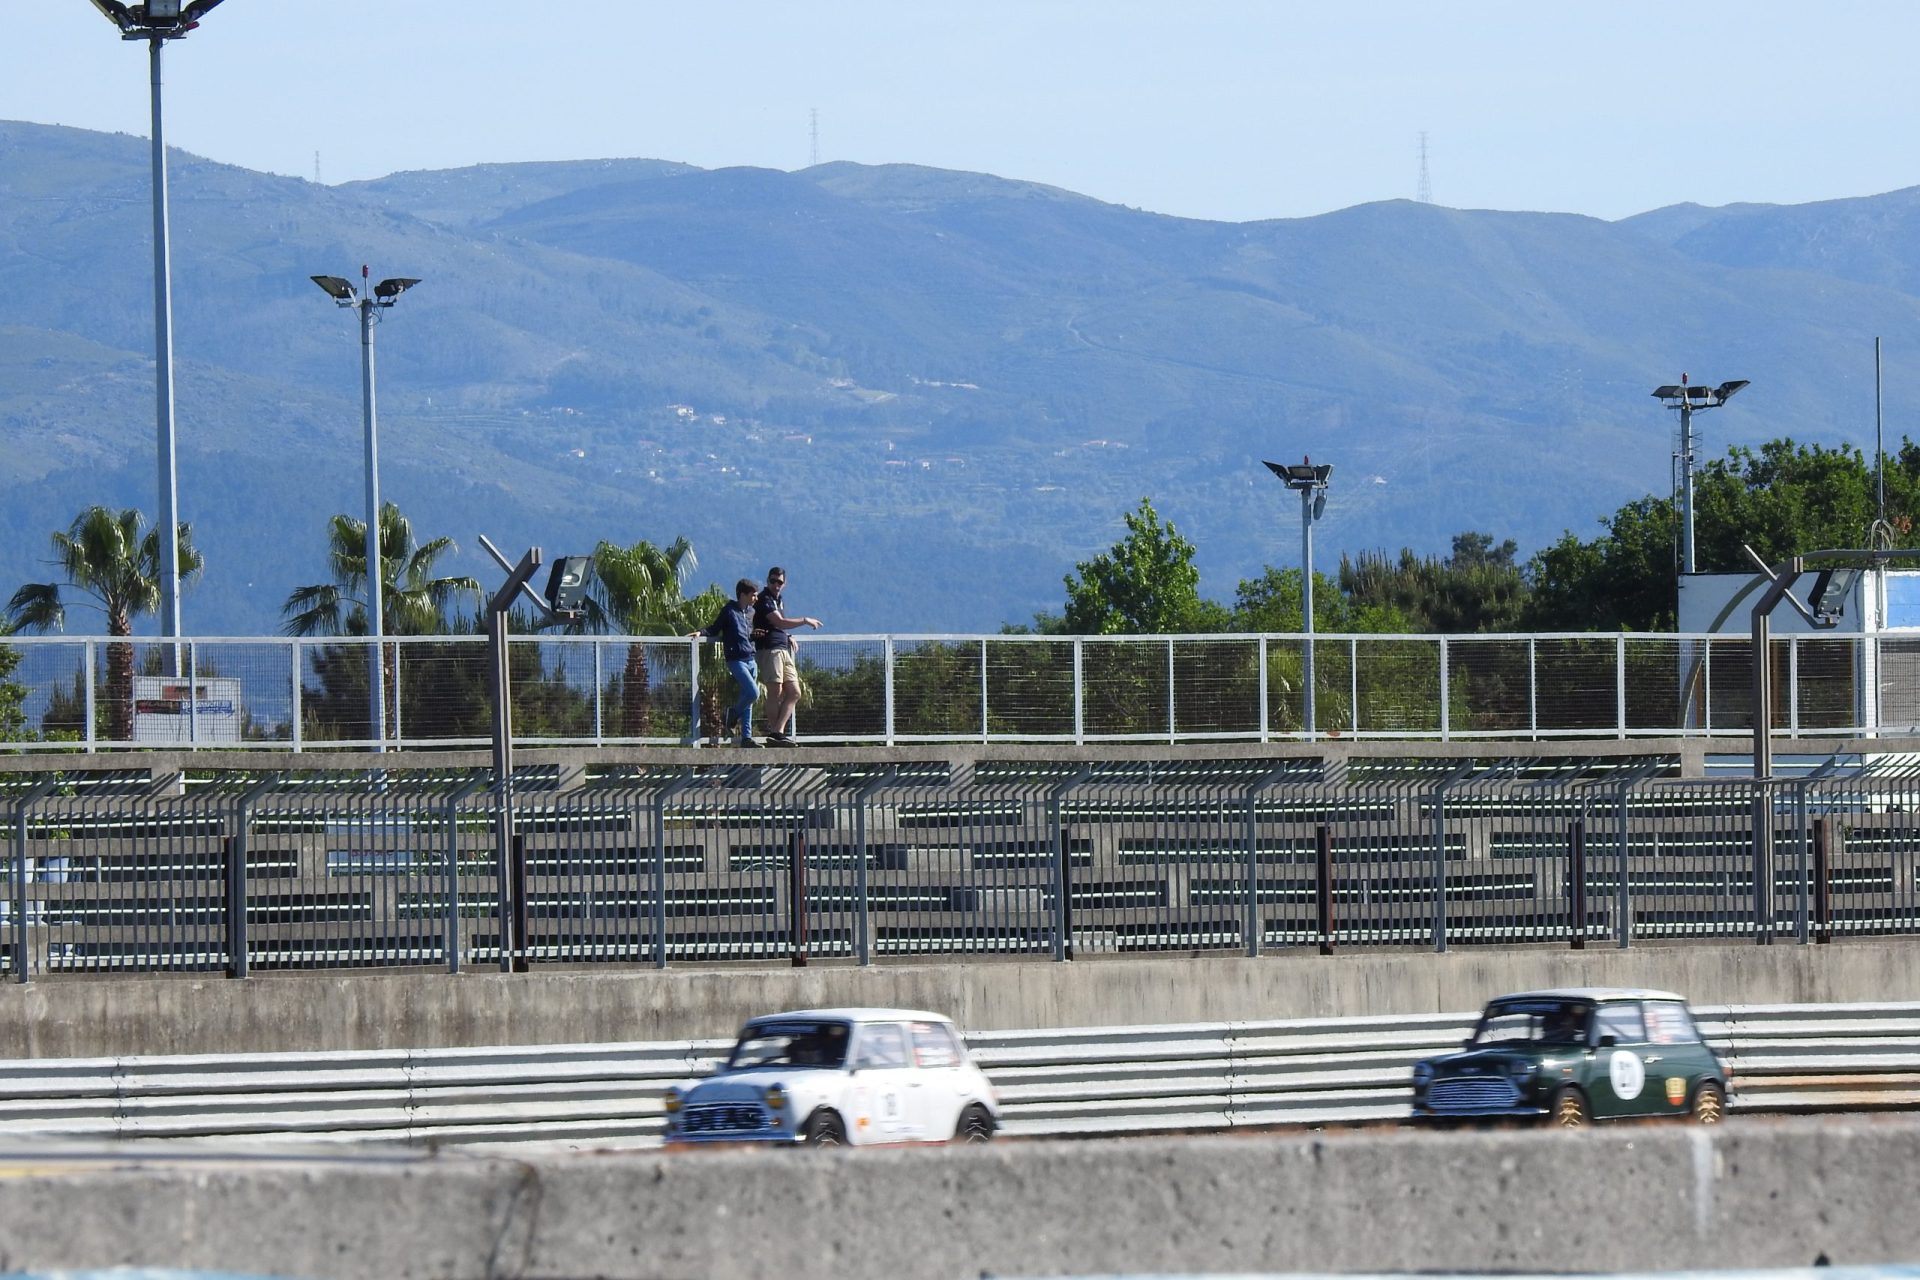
(1520, 1070)
(776, 1097)
(1422, 1072)
(671, 1100)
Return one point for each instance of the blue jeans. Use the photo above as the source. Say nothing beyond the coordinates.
(748, 690)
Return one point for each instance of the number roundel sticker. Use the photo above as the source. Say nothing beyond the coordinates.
(1628, 1074)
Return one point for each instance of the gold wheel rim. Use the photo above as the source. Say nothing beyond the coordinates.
(1569, 1114)
(1707, 1107)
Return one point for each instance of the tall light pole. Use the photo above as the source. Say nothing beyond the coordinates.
(157, 22)
(368, 299)
(1310, 482)
(1689, 399)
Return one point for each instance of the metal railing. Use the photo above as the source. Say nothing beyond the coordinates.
(1052, 1083)
(305, 694)
(856, 858)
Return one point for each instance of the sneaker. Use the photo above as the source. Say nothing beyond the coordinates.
(748, 742)
(782, 740)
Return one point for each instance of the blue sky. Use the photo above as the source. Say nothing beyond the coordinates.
(1231, 109)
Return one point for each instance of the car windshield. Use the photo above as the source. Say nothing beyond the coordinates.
(790, 1044)
(1533, 1022)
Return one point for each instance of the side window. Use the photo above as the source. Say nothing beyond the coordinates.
(934, 1045)
(882, 1045)
(1669, 1023)
(1622, 1022)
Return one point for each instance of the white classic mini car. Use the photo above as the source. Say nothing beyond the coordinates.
(831, 1077)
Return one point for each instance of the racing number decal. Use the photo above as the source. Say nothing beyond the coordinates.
(1628, 1074)
(890, 1108)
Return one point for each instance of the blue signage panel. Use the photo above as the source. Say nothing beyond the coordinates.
(1903, 601)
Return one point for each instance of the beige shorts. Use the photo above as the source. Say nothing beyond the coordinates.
(777, 667)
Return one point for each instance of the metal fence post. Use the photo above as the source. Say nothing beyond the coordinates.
(1323, 887)
(1062, 872)
(886, 648)
(1079, 698)
(1620, 686)
(984, 722)
(237, 846)
(297, 661)
(92, 708)
(862, 916)
(1264, 721)
(1763, 861)
(1255, 929)
(1822, 880)
(666, 793)
(454, 801)
(21, 814)
(797, 892)
(1446, 709)
(1173, 710)
(1623, 903)
(1440, 854)
(1577, 882)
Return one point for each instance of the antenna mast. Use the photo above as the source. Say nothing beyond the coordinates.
(814, 152)
(1425, 192)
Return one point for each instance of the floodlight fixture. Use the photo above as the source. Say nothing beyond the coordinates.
(338, 287)
(1689, 400)
(567, 585)
(388, 290)
(155, 20)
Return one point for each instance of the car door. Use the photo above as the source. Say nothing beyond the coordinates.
(883, 1079)
(939, 1090)
(1677, 1058)
(1621, 1084)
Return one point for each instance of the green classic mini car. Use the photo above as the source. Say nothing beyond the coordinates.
(1574, 1056)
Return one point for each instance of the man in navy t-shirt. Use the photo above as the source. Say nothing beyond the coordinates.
(774, 647)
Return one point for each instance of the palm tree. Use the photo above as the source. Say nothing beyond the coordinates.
(413, 601)
(113, 557)
(638, 591)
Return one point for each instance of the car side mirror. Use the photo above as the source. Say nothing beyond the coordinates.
(1608, 1040)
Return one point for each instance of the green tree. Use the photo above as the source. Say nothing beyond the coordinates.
(1146, 584)
(413, 601)
(113, 557)
(640, 591)
(13, 694)
(1477, 588)
(1783, 499)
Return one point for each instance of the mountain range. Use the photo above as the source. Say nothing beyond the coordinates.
(926, 393)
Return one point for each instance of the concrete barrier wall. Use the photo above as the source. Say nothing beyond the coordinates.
(1775, 1195)
(100, 1017)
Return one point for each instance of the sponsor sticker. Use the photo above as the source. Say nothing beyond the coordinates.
(1676, 1090)
(1627, 1073)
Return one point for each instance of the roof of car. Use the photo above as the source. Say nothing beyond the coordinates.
(1592, 993)
(858, 1015)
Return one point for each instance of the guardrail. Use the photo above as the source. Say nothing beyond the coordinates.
(1052, 1083)
(303, 694)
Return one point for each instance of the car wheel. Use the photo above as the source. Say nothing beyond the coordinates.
(825, 1130)
(976, 1126)
(1570, 1109)
(1709, 1104)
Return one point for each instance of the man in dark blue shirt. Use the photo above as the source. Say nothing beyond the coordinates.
(775, 650)
(733, 628)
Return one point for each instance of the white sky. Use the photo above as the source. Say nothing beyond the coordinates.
(1231, 109)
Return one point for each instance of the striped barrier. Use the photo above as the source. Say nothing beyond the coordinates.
(1053, 1082)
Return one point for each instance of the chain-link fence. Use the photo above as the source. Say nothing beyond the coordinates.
(601, 691)
(861, 861)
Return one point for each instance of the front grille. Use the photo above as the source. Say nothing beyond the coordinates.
(1472, 1093)
(725, 1117)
